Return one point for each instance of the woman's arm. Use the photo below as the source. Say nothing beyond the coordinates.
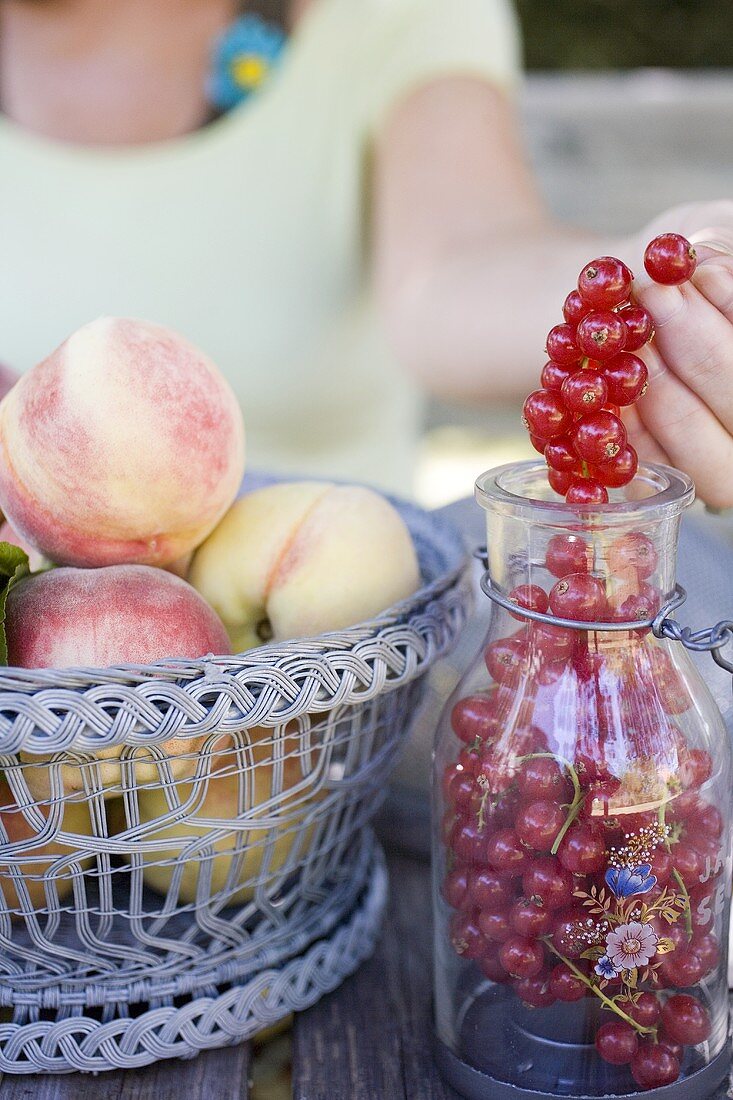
(472, 273)
(470, 270)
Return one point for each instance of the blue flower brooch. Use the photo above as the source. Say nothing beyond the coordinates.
(244, 57)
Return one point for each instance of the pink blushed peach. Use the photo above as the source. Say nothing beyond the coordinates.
(125, 445)
(125, 614)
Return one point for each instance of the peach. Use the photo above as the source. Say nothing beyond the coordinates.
(38, 852)
(125, 445)
(300, 558)
(282, 839)
(8, 378)
(119, 614)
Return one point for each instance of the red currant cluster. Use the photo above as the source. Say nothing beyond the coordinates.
(538, 826)
(574, 419)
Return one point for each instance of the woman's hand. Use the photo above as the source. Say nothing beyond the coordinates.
(686, 418)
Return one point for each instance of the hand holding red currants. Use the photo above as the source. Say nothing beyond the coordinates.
(574, 419)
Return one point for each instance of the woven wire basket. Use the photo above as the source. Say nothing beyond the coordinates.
(183, 850)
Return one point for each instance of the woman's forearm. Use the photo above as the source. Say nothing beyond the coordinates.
(472, 324)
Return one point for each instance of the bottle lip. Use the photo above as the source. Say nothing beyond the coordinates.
(509, 489)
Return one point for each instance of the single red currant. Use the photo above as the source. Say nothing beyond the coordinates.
(560, 481)
(466, 936)
(601, 335)
(634, 551)
(653, 1066)
(530, 596)
(488, 891)
(585, 391)
(617, 1043)
(670, 259)
(475, 717)
(685, 1020)
(548, 883)
(560, 455)
(490, 966)
(529, 919)
(455, 887)
(522, 958)
(583, 850)
(574, 929)
(645, 1011)
(599, 438)
(618, 471)
(539, 823)
(495, 925)
(543, 778)
(567, 986)
(689, 863)
(538, 443)
(506, 660)
(545, 414)
(561, 346)
(696, 768)
(707, 947)
(626, 379)
(585, 490)
(553, 375)
(534, 992)
(709, 821)
(574, 308)
(567, 554)
(506, 853)
(579, 596)
(605, 283)
(639, 327)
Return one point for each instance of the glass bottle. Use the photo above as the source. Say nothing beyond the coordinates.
(582, 822)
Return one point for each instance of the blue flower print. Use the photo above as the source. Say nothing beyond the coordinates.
(244, 56)
(605, 968)
(626, 881)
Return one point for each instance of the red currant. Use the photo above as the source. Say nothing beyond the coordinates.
(455, 887)
(530, 596)
(466, 936)
(534, 992)
(522, 958)
(696, 768)
(670, 259)
(539, 823)
(553, 375)
(586, 490)
(488, 891)
(490, 966)
(506, 660)
(685, 1020)
(633, 551)
(653, 1066)
(585, 391)
(574, 308)
(560, 455)
(605, 283)
(469, 841)
(618, 471)
(709, 821)
(567, 554)
(543, 778)
(639, 326)
(579, 596)
(530, 919)
(560, 480)
(684, 968)
(506, 854)
(548, 883)
(582, 851)
(626, 379)
(495, 925)
(538, 443)
(645, 1011)
(545, 414)
(689, 863)
(669, 1044)
(617, 1043)
(601, 335)
(475, 717)
(565, 985)
(599, 438)
(707, 948)
(561, 346)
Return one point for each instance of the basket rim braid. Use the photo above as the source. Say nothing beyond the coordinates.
(51, 710)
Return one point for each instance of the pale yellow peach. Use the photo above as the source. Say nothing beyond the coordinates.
(302, 558)
(125, 445)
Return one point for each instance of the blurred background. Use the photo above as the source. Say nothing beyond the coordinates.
(627, 109)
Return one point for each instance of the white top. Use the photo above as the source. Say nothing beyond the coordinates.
(248, 235)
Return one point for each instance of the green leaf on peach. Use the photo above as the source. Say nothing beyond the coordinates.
(13, 567)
